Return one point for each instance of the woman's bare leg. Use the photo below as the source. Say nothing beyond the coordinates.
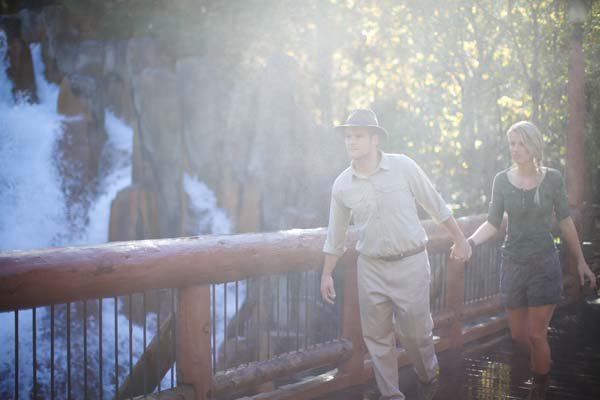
(518, 322)
(539, 318)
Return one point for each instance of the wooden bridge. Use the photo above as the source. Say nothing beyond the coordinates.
(223, 317)
(240, 317)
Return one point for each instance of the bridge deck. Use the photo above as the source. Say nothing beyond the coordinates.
(490, 370)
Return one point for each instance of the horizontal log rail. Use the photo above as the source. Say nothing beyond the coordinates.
(50, 276)
(280, 366)
(33, 278)
(181, 392)
(482, 307)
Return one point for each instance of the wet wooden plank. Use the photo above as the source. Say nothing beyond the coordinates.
(488, 368)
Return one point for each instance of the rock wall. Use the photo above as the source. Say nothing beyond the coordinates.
(247, 133)
(20, 69)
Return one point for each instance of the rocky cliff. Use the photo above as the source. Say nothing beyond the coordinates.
(249, 133)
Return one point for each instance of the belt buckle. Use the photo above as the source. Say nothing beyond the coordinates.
(394, 257)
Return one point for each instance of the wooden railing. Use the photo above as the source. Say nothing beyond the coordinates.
(60, 275)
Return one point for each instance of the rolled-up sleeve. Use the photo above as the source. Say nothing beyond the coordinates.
(496, 207)
(426, 194)
(339, 218)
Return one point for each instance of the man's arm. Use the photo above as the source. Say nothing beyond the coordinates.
(429, 198)
(339, 218)
(327, 289)
(461, 250)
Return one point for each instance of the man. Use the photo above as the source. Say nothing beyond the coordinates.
(379, 191)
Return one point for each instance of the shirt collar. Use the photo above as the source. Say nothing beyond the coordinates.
(385, 161)
(384, 164)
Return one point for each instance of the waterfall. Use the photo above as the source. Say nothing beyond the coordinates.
(203, 203)
(32, 205)
(33, 214)
(211, 219)
(116, 168)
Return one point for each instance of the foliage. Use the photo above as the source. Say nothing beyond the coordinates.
(592, 50)
(446, 78)
(449, 78)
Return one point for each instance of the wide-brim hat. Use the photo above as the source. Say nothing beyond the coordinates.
(364, 119)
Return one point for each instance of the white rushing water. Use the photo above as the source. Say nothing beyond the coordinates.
(32, 205)
(212, 219)
(203, 203)
(33, 211)
(116, 165)
(33, 214)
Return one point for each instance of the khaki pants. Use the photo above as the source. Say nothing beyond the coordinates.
(395, 295)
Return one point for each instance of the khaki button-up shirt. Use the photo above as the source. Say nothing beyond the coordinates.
(383, 208)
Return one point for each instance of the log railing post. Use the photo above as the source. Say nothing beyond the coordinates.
(455, 299)
(194, 366)
(351, 328)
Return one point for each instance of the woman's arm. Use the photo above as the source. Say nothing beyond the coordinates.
(569, 233)
(482, 234)
(496, 214)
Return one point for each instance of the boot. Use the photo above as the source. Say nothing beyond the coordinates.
(538, 388)
(427, 390)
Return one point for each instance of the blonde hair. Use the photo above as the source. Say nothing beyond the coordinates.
(534, 143)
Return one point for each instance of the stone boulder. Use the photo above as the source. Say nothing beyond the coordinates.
(202, 101)
(80, 147)
(133, 215)
(159, 144)
(142, 53)
(20, 65)
(115, 58)
(89, 59)
(275, 145)
(31, 25)
(56, 31)
(77, 97)
(116, 94)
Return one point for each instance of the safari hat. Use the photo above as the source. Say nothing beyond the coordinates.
(365, 119)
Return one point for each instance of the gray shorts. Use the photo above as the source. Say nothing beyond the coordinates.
(535, 281)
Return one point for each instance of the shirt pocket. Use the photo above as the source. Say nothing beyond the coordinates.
(357, 201)
(392, 196)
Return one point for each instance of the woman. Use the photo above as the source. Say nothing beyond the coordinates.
(531, 276)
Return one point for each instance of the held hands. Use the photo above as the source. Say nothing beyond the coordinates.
(461, 251)
(584, 271)
(327, 289)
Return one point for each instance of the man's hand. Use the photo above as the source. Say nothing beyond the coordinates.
(327, 289)
(461, 250)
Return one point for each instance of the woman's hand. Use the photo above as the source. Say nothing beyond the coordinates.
(461, 250)
(583, 269)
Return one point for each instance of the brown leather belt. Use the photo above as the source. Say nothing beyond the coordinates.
(398, 257)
